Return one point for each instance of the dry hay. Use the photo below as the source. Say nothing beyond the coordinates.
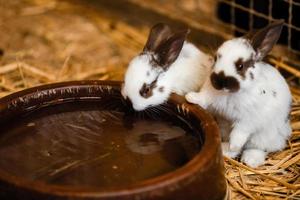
(55, 50)
(279, 177)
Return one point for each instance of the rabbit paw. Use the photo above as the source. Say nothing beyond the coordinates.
(253, 157)
(195, 98)
(228, 153)
(237, 141)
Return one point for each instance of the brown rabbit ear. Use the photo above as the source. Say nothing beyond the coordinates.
(159, 33)
(168, 51)
(264, 39)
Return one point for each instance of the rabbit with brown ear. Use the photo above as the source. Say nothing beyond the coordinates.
(167, 64)
(251, 94)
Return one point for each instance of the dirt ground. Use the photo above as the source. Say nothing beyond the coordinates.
(48, 41)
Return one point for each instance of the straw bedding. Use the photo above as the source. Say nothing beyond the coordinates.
(39, 45)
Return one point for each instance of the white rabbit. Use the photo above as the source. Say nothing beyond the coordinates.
(251, 94)
(167, 64)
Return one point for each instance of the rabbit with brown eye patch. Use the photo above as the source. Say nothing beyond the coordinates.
(241, 89)
(167, 64)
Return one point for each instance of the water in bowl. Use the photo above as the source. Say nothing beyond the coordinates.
(81, 144)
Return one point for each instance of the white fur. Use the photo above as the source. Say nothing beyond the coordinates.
(258, 111)
(186, 74)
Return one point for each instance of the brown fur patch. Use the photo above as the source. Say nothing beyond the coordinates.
(147, 89)
(242, 66)
(153, 62)
(161, 89)
(220, 81)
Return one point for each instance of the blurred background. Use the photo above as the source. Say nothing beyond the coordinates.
(45, 41)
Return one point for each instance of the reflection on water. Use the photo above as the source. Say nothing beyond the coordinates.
(85, 145)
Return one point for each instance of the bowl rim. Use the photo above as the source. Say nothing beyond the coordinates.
(200, 162)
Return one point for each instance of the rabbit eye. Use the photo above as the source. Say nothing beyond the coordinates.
(216, 57)
(240, 67)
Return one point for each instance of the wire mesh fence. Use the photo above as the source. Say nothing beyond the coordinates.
(245, 15)
(228, 18)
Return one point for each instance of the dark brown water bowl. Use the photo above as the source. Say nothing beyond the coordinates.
(82, 140)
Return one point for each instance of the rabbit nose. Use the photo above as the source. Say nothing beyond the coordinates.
(220, 81)
(217, 80)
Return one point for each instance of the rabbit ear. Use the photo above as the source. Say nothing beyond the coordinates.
(159, 33)
(264, 39)
(168, 51)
